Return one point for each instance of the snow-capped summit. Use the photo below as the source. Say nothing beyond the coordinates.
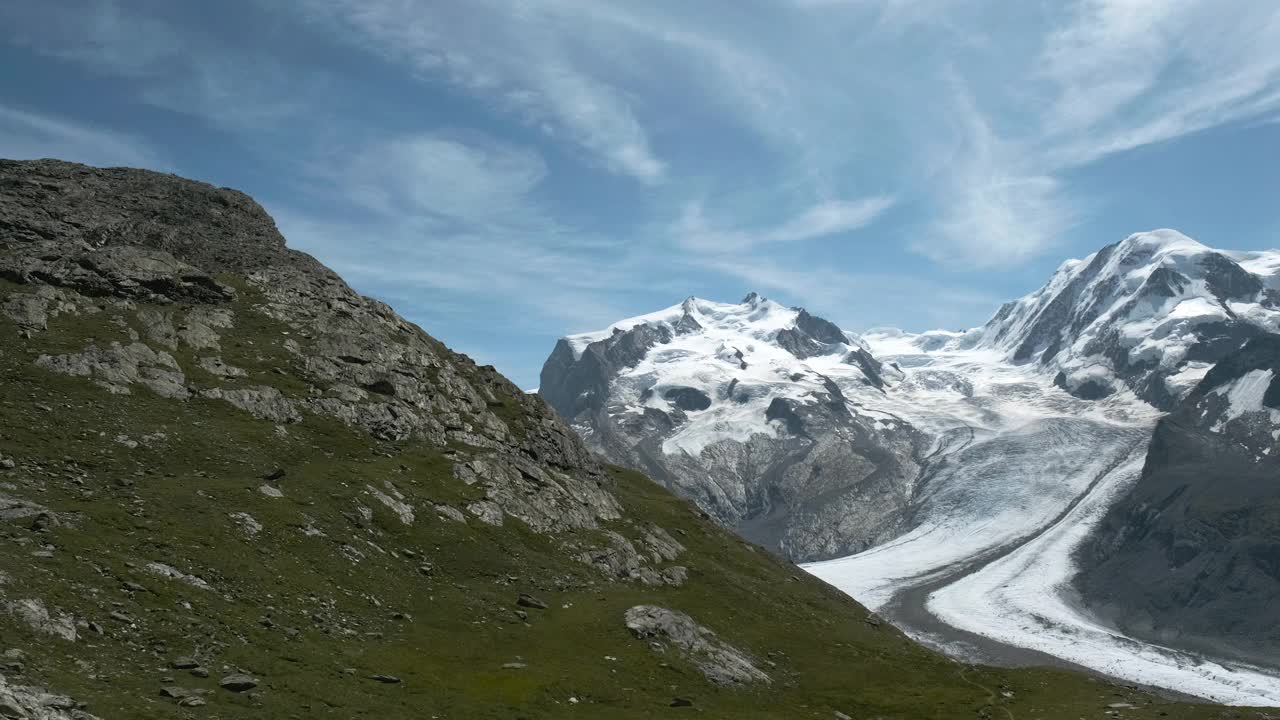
(743, 393)
(756, 317)
(1151, 313)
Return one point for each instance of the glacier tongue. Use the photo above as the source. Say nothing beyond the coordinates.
(1020, 473)
(1013, 452)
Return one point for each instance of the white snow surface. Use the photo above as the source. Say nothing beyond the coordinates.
(1244, 396)
(1012, 452)
(711, 361)
(1024, 599)
(1020, 473)
(1151, 326)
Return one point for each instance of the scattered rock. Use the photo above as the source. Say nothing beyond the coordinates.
(238, 683)
(261, 401)
(215, 366)
(448, 512)
(487, 512)
(514, 666)
(681, 702)
(529, 601)
(184, 663)
(720, 662)
(118, 367)
(394, 502)
(270, 491)
(388, 679)
(34, 613)
(676, 575)
(172, 691)
(176, 574)
(249, 525)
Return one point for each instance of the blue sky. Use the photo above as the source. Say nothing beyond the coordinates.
(504, 172)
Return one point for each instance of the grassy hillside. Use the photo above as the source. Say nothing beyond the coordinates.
(432, 603)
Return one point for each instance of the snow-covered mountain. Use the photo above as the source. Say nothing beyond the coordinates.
(966, 470)
(1152, 313)
(770, 418)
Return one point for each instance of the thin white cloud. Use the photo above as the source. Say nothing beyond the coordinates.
(28, 136)
(513, 56)
(995, 206)
(478, 183)
(1128, 73)
(825, 219)
(458, 218)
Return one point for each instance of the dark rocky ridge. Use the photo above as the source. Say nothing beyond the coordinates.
(1191, 557)
(147, 236)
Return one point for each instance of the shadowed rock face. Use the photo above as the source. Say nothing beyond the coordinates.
(1191, 557)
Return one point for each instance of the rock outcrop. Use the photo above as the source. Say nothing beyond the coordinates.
(1191, 557)
(719, 661)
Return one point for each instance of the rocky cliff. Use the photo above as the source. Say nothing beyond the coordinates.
(1191, 556)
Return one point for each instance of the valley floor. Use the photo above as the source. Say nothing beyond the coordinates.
(1019, 476)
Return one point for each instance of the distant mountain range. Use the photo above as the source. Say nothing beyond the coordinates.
(925, 456)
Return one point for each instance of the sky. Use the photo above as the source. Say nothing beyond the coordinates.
(504, 172)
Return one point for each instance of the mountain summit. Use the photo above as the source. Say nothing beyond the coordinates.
(751, 409)
(1150, 314)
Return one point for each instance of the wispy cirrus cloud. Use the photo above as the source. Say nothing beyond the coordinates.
(518, 58)
(696, 233)
(456, 217)
(1110, 76)
(1127, 74)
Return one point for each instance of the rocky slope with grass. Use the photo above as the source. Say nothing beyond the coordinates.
(231, 487)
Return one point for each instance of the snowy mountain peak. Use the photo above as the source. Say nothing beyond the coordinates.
(756, 318)
(1152, 312)
(741, 402)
